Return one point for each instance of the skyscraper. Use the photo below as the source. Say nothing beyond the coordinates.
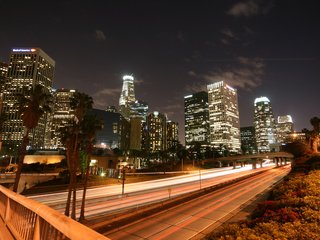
(172, 134)
(127, 96)
(3, 76)
(27, 67)
(264, 124)
(129, 106)
(284, 128)
(224, 117)
(248, 140)
(62, 115)
(196, 115)
(156, 130)
(115, 131)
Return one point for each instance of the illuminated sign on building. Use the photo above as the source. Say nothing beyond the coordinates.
(23, 50)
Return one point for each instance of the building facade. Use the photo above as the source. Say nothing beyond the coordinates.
(196, 116)
(127, 96)
(172, 134)
(3, 76)
(224, 117)
(27, 67)
(248, 140)
(264, 124)
(115, 131)
(155, 132)
(284, 128)
(62, 116)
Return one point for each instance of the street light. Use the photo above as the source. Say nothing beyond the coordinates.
(199, 174)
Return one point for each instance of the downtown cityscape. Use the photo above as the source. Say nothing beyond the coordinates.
(156, 120)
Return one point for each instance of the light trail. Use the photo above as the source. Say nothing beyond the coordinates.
(105, 200)
(197, 217)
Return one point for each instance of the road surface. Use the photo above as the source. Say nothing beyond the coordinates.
(194, 219)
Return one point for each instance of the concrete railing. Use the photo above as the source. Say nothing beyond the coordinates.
(28, 219)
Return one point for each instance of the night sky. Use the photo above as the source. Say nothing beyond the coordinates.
(175, 48)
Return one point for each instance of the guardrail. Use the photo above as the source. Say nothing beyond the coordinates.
(27, 219)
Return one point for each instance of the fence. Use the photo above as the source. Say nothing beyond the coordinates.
(27, 219)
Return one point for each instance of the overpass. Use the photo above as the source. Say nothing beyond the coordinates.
(279, 158)
(27, 180)
(24, 218)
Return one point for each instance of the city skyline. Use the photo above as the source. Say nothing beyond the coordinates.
(261, 48)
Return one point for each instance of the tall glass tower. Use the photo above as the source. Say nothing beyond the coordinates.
(264, 124)
(27, 67)
(127, 96)
(196, 118)
(224, 117)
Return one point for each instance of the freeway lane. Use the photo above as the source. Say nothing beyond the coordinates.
(195, 218)
(103, 200)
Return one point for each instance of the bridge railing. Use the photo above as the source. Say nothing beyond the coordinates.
(27, 219)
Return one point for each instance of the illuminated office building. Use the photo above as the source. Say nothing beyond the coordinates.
(196, 115)
(62, 115)
(156, 132)
(27, 67)
(127, 96)
(129, 106)
(284, 128)
(264, 125)
(172, 134)
(248, 140)
(224, 117)
(3, 76)
(139, 109)
(115, 131)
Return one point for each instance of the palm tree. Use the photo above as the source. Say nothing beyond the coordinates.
(32, 104)
(315, 122)
(80, 103)
(90, 125)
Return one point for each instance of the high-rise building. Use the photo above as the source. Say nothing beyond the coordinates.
(136, 124)
(27, 67)
(3, 76)
(62, 115)
(156, 131)
(172, 134)
(129, 107)
(139, 109)
(127, 96)
(264, 125)
(248, 140)
(284, 128)
(115, 131)
(196, 115)
(224, 117)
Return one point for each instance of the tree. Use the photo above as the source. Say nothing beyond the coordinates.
(89, 126)
(182, 154)
(315, 122)
(80, 103)
(32, 104)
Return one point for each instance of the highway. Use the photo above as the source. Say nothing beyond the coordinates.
(107, 200)
(196, 218)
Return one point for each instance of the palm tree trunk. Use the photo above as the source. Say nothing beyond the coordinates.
(22, 154)
(67, 209)
(74, 186)
(73, 210)
(84, 190)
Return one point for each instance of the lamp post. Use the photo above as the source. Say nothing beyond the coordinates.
(123, 178)
(199, 175)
